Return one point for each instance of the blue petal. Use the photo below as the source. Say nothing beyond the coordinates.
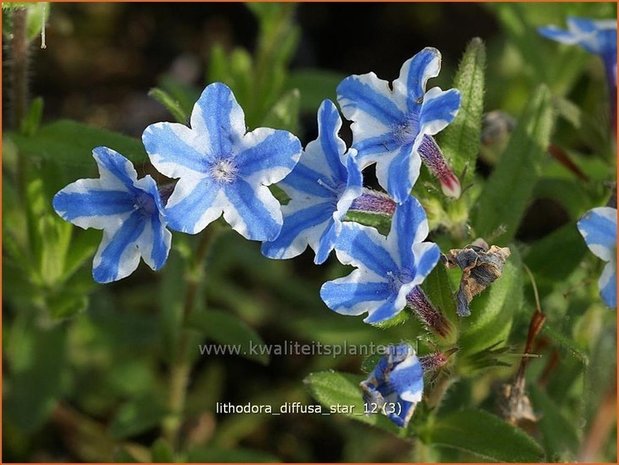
(377, 145)
(329, 123)
(291, 240)
(386, 311)
(174, 149)
(409, 226)
(608, 285)
(113, 166)
(343, 297)
(326, 243)
(427, 255)
(415, 73)
(252, 211)
(304, 179)
(270, 152)
(439, 108)
(112, 262)
(407, 379)
(160, 245)
(218, 115)
(364, 247)
(356, 94)
(75, 204)
(189, 203)
(403, 413)
(401, 177)
(599, 229)
(559, 35)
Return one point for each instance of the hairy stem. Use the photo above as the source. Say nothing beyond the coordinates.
(19, 67)
(180, 369)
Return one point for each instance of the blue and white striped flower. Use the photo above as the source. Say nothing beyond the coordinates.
(321, 188)
(595, 36)
(127, 209)
(389, 269)
(599, 229)
(221, 167)
(395, 386)
(389, 125)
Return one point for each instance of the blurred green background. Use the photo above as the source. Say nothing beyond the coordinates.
(86, 367)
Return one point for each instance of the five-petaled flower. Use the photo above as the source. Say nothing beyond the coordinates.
(321, 188)
(127, 209)
(389, 125)
(389, 269)
(599, 229)
(222, 168)
(395, 386)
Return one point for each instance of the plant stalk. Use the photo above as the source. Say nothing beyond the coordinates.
(180, 369)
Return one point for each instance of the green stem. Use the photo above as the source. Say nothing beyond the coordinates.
(180, 369)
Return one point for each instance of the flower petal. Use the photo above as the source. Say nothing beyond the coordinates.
(407, 379)
(398, 173)
(155, 242)
(267, 155)
(303, 224)
(414, 75)
(219, 119)
(439, 108)
(354, 294)
(560, 35)
(175, 150)
(373, 149)
(252, 211)
(369, 103)
(608, 284)
(426, 255)
(408, 227)
(599, 229)
(193, 205)
(326, 243)
(116, 172)
(87, 204)
(364, 247)
(332, 147)
(387, 310)
(118, 255)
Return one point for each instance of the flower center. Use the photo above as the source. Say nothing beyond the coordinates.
(145, 204)
(407, 130)
(398, 279)
(223, 170)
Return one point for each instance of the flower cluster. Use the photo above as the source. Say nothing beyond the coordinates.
(221, 168)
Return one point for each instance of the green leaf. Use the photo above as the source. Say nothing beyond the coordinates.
(334, 389)
(136, 417)
(285, 113)
(172, 105)
(492, 311)
(315, 85)
(210, 454)
(227, 329)
(37, 17)
(547, 258)
(36, 381)
(559, 434)
(437, 287)
(32, 120)
(509, 188)
(460, 141)
(484, 435)
(162, 452)
(566, 344)
(70, 143)
(379, 221)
